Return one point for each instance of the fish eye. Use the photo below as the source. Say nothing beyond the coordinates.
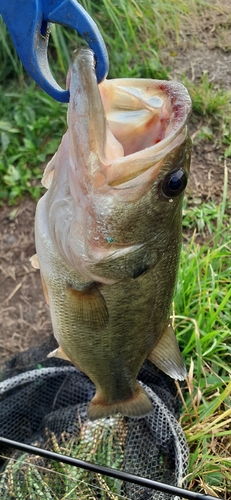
(173, 183)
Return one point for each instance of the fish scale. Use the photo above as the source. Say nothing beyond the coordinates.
(108, 232)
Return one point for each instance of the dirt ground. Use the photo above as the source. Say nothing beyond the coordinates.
(24, 316)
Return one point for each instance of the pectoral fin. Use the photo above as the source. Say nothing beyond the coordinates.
(167, 357)
(58, 353)
(89, 307)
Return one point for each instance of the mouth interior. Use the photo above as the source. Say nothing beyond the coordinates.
(138, 130)
(138, 120)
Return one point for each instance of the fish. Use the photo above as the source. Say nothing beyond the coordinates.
(108, 232)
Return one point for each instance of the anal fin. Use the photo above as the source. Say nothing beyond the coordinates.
(167, 357)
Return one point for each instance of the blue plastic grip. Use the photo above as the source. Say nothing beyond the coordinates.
(28, 22)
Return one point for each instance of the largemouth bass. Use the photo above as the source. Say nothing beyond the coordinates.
(108, 232)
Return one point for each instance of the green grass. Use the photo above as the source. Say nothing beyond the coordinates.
(31, 127)
(203, 323)
(212, 110)
(207, 100)
(140, 29)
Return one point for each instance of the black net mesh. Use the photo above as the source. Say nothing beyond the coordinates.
(44, 403)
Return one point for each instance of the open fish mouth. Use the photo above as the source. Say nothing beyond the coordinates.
(142, 113)
(130, 126)
(148, 119)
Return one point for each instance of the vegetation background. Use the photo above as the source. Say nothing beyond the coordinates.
(188, 40)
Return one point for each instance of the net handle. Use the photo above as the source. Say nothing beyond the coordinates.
(107, 471)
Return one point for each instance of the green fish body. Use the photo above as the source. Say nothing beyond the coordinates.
(108, 232)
